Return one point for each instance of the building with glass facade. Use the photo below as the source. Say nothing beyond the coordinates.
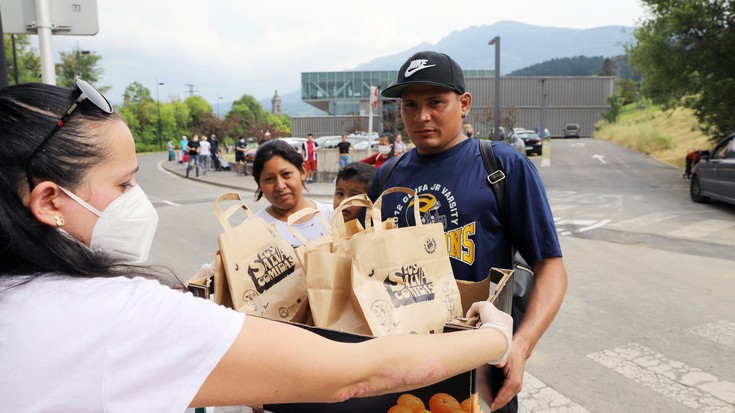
(344, 98)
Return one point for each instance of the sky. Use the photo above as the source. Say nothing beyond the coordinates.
(228, 48)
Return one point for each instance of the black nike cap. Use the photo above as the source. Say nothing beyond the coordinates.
(427, 68)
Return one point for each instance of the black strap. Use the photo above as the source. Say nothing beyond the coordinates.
(495, 176)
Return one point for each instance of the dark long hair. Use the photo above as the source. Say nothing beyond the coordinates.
(28, 113)
(267, 151)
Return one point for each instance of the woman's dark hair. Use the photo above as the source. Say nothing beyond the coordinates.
(362, 172)
(268, 150)
(28, 113)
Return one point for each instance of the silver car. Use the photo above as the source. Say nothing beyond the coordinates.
(713, 177)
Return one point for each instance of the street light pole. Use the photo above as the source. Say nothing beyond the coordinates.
(543, 108)
(496, 113)
(77, 64)
(158, 104)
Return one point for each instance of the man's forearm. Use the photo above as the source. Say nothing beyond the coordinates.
(550, 284)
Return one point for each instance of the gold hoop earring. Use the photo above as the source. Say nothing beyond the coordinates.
(59, 221)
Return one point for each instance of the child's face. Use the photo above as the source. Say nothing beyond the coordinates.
(347, 188)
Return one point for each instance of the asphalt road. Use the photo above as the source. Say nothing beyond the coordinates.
(648, 322)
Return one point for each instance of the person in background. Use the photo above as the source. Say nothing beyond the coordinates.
(690, 160)
(344, 152)
(280, 174)
(309, 150)
(240, 148)
(215, 152)
(182, 146)
(385, 152)
(354, 179)
(171, 153)
(515, 141)
(469, 130)
(399, 146)
(205, 155)
(78, 310)
(447, 166)
(193, 149)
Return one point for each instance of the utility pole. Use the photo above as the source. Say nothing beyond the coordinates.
(496, 114)
(3, 63)
(158, 103)
(191, 90)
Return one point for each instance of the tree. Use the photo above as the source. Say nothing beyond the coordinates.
(628, 90)
(616, 107)
(609, 68)
(29, 62)
(82, 63)
(684, 51)
(198, 107)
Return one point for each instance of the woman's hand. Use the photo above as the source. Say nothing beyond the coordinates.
(491, 317)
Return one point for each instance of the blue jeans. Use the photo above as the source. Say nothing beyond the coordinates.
(344, 160)
(194, 158)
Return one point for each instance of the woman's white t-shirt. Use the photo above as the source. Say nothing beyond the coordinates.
(107, 345)
(311, 229)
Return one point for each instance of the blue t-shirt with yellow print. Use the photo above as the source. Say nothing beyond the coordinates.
(453, 190)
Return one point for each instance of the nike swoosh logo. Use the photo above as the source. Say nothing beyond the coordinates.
(410, 71)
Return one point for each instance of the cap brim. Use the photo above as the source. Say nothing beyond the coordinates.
(396, 90)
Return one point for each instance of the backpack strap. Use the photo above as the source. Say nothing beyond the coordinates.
(387, 169)
(495, 176)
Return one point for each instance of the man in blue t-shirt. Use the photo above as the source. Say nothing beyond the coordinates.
(446, 170)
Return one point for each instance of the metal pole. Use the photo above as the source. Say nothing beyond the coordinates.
(496, 111)
(46, 47)
(15, 59)
(158, 104)
(3, 63)
(543, 108)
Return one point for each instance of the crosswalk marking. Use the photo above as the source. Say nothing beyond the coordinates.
(721, 332)
(702, 229)
(689, 386)
(538, 397)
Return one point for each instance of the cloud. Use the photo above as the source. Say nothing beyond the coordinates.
(229, 48)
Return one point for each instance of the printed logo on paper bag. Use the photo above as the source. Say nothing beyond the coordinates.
(408, 286)
(270, 266)
(437, 204)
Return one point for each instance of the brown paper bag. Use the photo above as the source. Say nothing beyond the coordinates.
(402, 277)
(328, 279)
(263, 274)
(323, 242)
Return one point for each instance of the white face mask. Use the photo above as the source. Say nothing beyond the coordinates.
(384, 149)
(125, 229)
(242, 140)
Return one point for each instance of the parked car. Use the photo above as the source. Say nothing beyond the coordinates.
(294, 142)
(572, 130)
(357, 141)
(533, 143)
(713, 177)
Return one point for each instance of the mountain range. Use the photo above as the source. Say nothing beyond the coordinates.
(521, 45)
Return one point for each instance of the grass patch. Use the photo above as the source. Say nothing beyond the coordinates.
(666, 136)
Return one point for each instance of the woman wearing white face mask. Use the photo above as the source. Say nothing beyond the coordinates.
(75, 314)
(385, 152)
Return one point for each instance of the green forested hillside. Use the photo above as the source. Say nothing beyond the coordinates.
(580, 66)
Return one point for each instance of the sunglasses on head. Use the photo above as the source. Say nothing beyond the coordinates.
(87, 93)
